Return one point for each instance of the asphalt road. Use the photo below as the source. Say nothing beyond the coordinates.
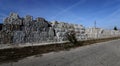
(99, 54)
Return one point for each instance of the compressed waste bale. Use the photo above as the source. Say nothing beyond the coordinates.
(18, 37)
(5, 37)
(13, 19)
(28, 20)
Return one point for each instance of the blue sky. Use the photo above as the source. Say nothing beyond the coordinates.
(105, 12)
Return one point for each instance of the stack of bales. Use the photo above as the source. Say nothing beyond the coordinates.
(11, 26)
(61, 28)
(80, 32)
(101, 33)
(15, 24)
(24, 30)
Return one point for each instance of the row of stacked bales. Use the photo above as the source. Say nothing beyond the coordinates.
(24, 30)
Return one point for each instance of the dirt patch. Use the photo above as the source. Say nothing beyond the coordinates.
(19, 53)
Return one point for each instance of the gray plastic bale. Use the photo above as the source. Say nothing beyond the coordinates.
(51, 32)
(39, 19)
(16, 21)
(28, 20)
(27, 30)
(6, 37)
(18, 37)
(14, 15)
(41, 22)
(36, 36)
(13, 19)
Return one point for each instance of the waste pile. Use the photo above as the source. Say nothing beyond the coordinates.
(25, 30)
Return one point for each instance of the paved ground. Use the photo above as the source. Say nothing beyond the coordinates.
(100, 54)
